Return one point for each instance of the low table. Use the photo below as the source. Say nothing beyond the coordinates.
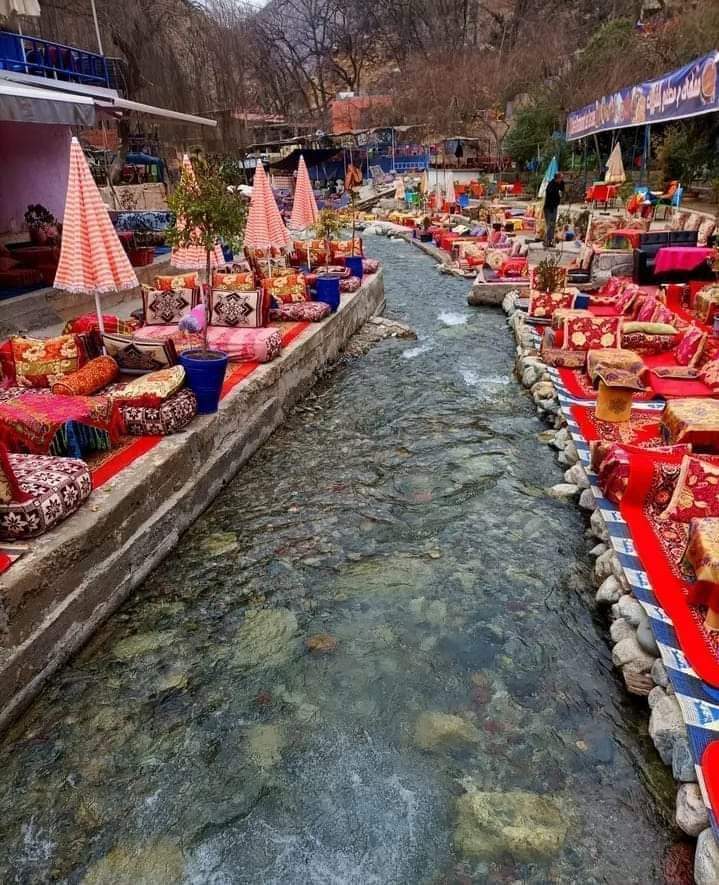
(694, 421)
(672, 259)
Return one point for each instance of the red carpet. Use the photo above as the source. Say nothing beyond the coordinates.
(642, 430)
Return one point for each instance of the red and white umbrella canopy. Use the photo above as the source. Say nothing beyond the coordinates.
(304, 207)
(92, 259)
(265, 228)
(194, 256)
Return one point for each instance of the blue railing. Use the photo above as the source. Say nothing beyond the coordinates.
(43, 58)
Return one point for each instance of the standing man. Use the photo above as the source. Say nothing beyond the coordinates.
(552, 199)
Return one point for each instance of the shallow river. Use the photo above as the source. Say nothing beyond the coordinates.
(466, 727)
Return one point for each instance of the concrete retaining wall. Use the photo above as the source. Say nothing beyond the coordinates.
(55, 597)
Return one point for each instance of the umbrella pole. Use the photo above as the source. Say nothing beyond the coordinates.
(98, 309)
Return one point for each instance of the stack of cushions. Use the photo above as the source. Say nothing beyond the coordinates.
(170, 299)
(39, 362)
(37, 492)
(157, 404)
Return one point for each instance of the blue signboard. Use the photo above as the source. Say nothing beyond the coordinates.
(692, 90)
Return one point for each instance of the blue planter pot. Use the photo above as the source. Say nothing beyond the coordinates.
(354, 263)
(328, 290)
(205, 377)
(581, 301)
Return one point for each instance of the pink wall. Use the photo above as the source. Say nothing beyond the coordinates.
(34, 161)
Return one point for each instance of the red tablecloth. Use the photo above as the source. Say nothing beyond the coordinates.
(681, 258)
(601, 193)
(630, 234)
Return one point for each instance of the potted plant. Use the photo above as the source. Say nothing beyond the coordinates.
(549, 275)
(327, 226)
(42, 225)
(353, 261)
(205, 212)
(141, 248)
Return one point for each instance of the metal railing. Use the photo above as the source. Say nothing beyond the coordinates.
(44, 58)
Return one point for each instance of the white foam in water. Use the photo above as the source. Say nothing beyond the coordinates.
(474, 379)
(452, 319)
(412, 352)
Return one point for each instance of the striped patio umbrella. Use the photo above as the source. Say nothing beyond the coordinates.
(304, 207)
(92, 259)
(450, 196)
(194, 256)
(265, 228)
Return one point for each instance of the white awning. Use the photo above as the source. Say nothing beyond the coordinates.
(123, 104)
(21, 103)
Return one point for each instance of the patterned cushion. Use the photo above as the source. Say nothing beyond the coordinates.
(612, 358)
(689, 350)
(241, 345)
(649, 328)
(163, 306)
(176, 282)
(9, 487)
(239, 309)
(647, 342)
(286, 289)
(136, 356)
(370, 265)
(591, 333)
(91, 378)
(87, 322)
(693, 421)
(543, 304)
(235, 282)
(54, 488)
(696, 493)
(647, 310)
(662, 314)
(351, 284)
(305, 311)
(41, 361)
(560, 315)
(710, 374)
(343, 248)
(151, 389)
(170, 416)
(693, 222)
(706, 229)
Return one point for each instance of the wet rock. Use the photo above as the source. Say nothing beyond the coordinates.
(570, 452)
(609, 591)
(321, 644)
(603, 565)
(578, 476)
(691, 814)
(141, 644)
(266, 637)
(666, 725)
(620, 629)
(263, 698)
(375, 330)
(265, 744)
(598, 549)
(629, 651)
(219, 543)
(646, 639)
(587, 501)
(637, 681)
(524, 826)
(149, 864)
(561, 438)
(598, 526)
(682, 762)
(706, 859)
(542, 390)
(630, 609)
(659, 673)
(564, 491)
(443, 729)
(655, 695)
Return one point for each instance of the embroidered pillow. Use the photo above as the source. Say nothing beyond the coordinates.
(706, 229)
(87, 322)
(626, 297)
(590, 333)
(151, 389)
(39, 362)
(543, 304)
(235, 282)
(288, 289)
(91, 378)
(178, 281)
(696, 493)
(647, 310)
(710, 374)
(649, 328)
(689, 350)
(166, 307)
(343, 248)
(242, 310)
(137, 356)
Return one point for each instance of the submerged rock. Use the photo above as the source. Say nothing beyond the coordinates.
(265, 744)
(267, 636)
(141, 644)
(524, 826)
(564, 491)
(435, 729)
(321, 644)
(219, 543)
(150, 864)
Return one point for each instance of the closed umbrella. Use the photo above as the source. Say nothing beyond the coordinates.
(450, 196)
(615, 173)
(552, 170)
(304, 207)
(194, 256)
(92, 259)
(265, 228)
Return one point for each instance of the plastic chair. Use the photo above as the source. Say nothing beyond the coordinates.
(463, 200)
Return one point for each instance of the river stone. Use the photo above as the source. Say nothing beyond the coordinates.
(598, 549)
(620, 629)
(578, 476)
(561, 439)
(603, 565)
(666, 725)
(609, 591)
(530, 376)
(563, 491)
(630, 609)
(435, 729)
(265, 744)
(682, 762)
(321, 643)
(587, 501)
(692, 815)
(141, 644)
(542, 390)
(266, 637)
(646, 639)
(570, 451)
(659, 673)
(150, 864)
(598, 526)
(637, 679)
(524, 826)
(706, 859)
(655, 695)
(628, 651)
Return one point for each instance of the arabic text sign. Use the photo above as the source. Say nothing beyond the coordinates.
(691, 90)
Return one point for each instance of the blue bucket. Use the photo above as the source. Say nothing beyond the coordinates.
(581, 301)
(354, 263)
(205, 378)
(328, 290)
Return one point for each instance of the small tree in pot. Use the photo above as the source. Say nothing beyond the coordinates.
(327, 226)
(206, 212)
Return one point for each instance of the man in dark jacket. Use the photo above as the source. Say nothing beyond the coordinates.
(552, 199)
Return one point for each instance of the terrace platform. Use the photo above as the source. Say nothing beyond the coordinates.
(73, 578)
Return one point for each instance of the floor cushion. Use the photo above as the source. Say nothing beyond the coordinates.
(170, 416)
(56, 488)
(305, 312)
(241, 345)
(87, 322)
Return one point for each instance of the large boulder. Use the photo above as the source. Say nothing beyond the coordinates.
(443, 729)
(706, 859)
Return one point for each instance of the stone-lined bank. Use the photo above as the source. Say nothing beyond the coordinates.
(635, 652)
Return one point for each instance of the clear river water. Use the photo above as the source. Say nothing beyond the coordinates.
(454, 717)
